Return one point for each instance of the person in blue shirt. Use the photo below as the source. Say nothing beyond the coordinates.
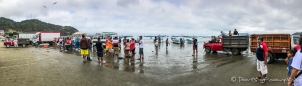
(297, 67)
(290, 55)
(77, 45)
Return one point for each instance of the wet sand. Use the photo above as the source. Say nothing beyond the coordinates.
(33, 66)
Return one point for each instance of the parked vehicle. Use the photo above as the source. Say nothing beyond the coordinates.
(278, 44)
(46, 37)
(21, 41)
(30, 36)
(233, 44)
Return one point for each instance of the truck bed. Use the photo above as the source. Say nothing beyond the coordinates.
(240, 42)
(276, 43)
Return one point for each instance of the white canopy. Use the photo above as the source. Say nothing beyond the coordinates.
(78, 33)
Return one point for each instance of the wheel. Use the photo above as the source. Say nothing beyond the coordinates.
(23, 45)
(235, 51)
(208, 49)
(7, 45)
(270, 58)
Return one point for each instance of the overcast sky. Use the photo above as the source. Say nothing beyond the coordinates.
(170, 17)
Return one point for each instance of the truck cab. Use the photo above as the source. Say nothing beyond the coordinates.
(294, 39)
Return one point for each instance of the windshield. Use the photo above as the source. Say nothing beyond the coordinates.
(296, 40)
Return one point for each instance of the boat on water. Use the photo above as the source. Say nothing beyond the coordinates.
(103, 36)
(189, 41)
(178, 40)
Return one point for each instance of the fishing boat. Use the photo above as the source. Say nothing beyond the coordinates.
(178, 40)
(189, 41)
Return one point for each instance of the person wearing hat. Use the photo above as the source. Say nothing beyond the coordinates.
(261, 54)
(235, 32)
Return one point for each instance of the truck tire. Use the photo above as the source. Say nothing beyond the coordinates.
(208, 49)
(235, 51)
(7, 45)
(270, 58)
(23, 45)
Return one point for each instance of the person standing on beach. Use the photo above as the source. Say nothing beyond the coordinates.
(100, 49)
(141, 48)
(261, 54)
(295, 77)
(156, 44)
(195, 47)
(167, 43)
(124, 40)
(84, 47)
(116, 47)
(108, 45)
(55, 43)
(127, 48)
(132, 47)
(15, 42)
(89, 50)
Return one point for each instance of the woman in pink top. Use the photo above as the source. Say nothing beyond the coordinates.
(127, 48)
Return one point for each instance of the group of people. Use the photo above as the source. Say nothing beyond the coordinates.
(293, 60)
(68, 43)
(230, 33)
(112, 48)
(215, 39)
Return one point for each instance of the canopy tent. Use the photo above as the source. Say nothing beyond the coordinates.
(78, 33)
(109, 33)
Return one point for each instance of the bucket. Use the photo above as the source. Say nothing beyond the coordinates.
(45, 46)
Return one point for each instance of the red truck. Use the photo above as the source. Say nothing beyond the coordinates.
(21, 41)
(46, 37)
(233, 44)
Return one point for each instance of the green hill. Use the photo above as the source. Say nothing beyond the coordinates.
(32, 26)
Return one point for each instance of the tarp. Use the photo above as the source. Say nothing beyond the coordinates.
(109, 33)
(78, 33)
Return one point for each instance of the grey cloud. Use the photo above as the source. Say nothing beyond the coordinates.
(126, 3)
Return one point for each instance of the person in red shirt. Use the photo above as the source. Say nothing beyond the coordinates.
(132, 47)
(261, 54)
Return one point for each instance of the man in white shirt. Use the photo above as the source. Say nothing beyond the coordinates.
(141, 48)
(15, 42)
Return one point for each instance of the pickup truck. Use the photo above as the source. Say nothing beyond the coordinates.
(278, 44)
(21, 41)
(233, 44)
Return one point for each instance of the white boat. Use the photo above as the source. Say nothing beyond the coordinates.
(189, 41)
(178, 40)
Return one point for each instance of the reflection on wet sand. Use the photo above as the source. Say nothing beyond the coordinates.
(129, 65)
(195, 62)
